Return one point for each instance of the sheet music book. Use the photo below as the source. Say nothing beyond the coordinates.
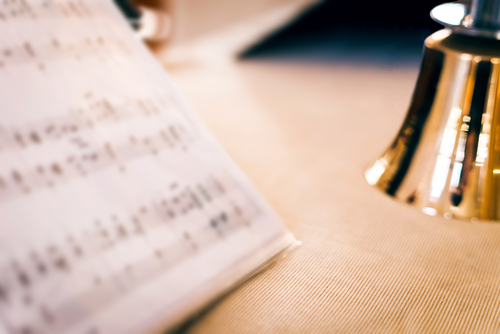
(118, 211)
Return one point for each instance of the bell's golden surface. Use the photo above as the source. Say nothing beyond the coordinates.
(446, 157)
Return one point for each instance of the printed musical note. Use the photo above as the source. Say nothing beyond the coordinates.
(44, 54)
(51, 9)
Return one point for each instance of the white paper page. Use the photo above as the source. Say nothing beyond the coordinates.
(118, 212)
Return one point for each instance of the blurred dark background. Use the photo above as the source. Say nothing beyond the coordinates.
(382, 13)
(385, 31)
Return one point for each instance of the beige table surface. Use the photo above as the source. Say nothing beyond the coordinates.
(303, 133)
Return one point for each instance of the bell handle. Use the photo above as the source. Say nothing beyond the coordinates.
(485, 14)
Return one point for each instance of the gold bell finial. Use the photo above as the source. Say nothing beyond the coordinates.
(446, 157)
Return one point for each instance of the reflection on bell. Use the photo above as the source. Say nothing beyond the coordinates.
(446, 157)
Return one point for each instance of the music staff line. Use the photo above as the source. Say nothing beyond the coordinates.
(48, 9)
(21, 183)
(160, 259)
(27, 52)
(98, 112)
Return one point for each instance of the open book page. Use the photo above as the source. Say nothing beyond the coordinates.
(118, 211)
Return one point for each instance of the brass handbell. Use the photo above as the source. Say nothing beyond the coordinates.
(446, 157)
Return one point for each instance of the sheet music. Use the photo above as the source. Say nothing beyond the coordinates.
(118, 212)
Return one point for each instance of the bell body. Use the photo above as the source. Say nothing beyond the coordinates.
(446, 156)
